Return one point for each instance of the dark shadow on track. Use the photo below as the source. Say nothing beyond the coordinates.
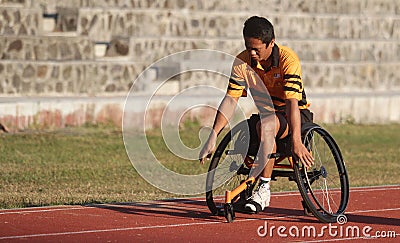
(184, 208)
(181, 209)
(369, 220)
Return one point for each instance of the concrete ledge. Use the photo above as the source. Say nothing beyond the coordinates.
(368, 107)
(47, 113)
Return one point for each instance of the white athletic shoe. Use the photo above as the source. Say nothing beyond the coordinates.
(260, 198)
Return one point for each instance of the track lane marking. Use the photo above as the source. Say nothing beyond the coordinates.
(42, 210)
(349, 238)
(171, 225)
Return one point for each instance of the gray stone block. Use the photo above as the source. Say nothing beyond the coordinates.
(16, 3)
(67, 78)
(20, 21)
(119, 46)
(46, 48)
(50, 6)
(67, 20)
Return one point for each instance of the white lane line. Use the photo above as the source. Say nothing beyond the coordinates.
(44, 207)
(368, 189)
(374, 210)
(170, 225)
(42, 210)
(351, 238)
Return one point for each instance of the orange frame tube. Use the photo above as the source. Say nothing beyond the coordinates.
(229, 195)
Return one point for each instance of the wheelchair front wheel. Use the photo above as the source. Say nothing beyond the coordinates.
(325, 186)
(227, 168)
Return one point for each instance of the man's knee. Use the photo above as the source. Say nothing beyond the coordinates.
(268, 125)
(273, 126)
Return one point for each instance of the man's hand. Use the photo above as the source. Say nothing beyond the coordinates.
(301, 152)
(208, 148)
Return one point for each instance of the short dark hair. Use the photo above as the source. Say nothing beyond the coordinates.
(260, 28)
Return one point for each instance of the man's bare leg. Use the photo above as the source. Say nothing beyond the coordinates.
(267, 130)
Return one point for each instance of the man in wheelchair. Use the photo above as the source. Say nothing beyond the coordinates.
(272, 73)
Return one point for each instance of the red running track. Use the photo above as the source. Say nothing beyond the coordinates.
(376, 210)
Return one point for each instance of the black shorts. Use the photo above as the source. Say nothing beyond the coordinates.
(305, 115)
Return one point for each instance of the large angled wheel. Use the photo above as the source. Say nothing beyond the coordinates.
(228, 168)
(325, 186)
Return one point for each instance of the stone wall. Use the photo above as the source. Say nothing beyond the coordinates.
(52, 48)
(72, 78)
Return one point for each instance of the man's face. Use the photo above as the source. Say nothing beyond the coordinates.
(258, 50)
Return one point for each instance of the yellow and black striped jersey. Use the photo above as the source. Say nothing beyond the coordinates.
(282, 80)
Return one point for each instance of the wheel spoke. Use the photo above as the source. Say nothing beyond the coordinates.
(323, 183)
(326, 196)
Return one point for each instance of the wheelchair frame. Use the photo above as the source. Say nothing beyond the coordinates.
(312, 203)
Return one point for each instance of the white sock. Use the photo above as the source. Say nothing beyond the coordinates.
(265, 181)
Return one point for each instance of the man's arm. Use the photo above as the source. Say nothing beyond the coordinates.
(294, 119)
(224, 114)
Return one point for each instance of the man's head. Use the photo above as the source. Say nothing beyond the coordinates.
(259, 37)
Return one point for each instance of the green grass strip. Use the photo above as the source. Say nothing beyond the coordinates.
(90, 165)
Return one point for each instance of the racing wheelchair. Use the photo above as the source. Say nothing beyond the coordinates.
(324, 187)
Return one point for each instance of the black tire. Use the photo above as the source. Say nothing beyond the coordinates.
(229, 213)
(325, 186)
(227, 168)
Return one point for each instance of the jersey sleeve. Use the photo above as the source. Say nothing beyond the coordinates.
(237, 83)
(293, 86)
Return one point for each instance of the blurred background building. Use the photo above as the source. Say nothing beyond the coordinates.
(72, 62)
